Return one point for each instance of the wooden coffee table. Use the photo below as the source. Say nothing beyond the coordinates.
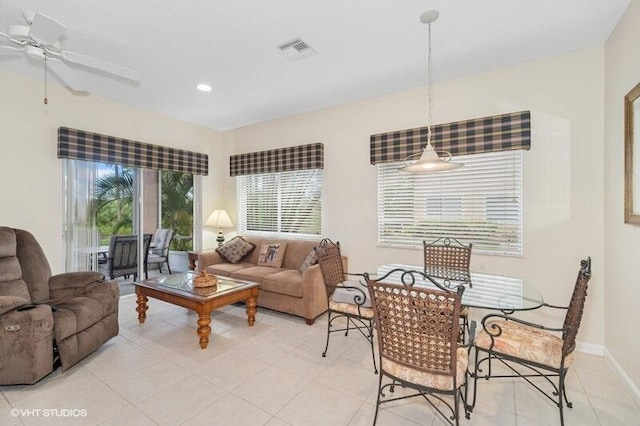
(178, 289)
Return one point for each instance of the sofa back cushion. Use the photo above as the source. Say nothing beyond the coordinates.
(294, 255)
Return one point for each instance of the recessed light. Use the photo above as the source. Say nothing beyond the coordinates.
(204, 87)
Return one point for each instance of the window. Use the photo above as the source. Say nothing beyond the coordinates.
(286, 203)
(480, 203)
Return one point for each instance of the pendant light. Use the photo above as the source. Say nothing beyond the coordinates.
(430, 160)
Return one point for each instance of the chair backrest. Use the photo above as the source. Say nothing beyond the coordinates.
(161, 240)
(447, 258)
(123, 254)
(417, 326)
(330, 260)
(576, 307)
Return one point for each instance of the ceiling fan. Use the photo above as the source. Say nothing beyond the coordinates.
(40, 39)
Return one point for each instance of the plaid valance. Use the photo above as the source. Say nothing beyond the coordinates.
(497, 133)
(301, 157)
(80, 145)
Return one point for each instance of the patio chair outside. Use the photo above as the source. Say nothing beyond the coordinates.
(123, 255)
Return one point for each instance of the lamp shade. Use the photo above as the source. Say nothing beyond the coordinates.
(219, 219)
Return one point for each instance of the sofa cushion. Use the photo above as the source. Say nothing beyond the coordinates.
(288, 281)
(272, 253)
(235, 249)
(297, 251)
(310, 260)
(254, 274)
(225, 269)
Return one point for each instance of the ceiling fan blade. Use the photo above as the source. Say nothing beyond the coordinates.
(9, 50)
(68, 76)
(98, 64)
(45, 29)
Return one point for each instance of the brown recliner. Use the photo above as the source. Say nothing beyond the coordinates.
(77, 310)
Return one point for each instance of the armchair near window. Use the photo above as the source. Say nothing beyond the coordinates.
(542, 351)
(70, 315)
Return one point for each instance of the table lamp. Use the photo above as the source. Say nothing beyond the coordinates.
(219, 219)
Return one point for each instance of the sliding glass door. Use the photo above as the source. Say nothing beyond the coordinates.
(103, 200)
(99, 202)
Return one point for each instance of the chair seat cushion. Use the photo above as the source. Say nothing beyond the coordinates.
(524, 342)
(352, 295)
(350, 308)
(464, 311)
(430, 380)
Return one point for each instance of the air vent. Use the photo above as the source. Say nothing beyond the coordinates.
(297, 49)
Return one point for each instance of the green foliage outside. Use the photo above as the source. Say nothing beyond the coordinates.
(177, 208)
(113, 205)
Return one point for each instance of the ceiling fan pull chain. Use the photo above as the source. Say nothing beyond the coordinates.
(45, 79)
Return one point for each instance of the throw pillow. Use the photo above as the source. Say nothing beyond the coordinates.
(310, 260)
(235, 249)
(271, 253)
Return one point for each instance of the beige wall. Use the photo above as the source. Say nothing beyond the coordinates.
(563, 172)
(31, 174)
(622, 241)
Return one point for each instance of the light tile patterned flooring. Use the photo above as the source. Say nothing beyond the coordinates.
(272, 374)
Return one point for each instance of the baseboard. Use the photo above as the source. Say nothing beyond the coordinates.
(590, 348)
(613, 364)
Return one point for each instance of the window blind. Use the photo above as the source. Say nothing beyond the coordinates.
(480, 203)
(286, 203)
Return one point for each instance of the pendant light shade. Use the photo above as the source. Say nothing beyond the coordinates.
(430, 160)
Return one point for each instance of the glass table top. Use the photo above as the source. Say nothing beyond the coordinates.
(484, 290)
(183, 283)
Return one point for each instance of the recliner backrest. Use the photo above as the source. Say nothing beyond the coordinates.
(24, 269)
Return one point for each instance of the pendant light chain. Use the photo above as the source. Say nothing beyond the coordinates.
(429, 88)
(45, 79)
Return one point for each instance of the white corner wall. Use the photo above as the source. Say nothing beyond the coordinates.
(622, 241)
(31, 173)
(563, 176)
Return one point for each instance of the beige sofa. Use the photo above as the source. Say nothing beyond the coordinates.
(285, 289)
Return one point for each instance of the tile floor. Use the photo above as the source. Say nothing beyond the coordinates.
(271, 374)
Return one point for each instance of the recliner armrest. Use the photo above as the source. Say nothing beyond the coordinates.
(8, 303)
(73, 280)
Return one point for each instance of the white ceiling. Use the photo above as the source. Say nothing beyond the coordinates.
(366, 48)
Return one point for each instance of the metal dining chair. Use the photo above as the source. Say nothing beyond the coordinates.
(449, 259)
(346, 299)
(418, 332)
(540, 350)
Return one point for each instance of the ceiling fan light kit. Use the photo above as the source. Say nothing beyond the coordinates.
(40, 40)
(430, 161)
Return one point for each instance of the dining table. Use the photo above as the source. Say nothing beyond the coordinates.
(485, 291)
